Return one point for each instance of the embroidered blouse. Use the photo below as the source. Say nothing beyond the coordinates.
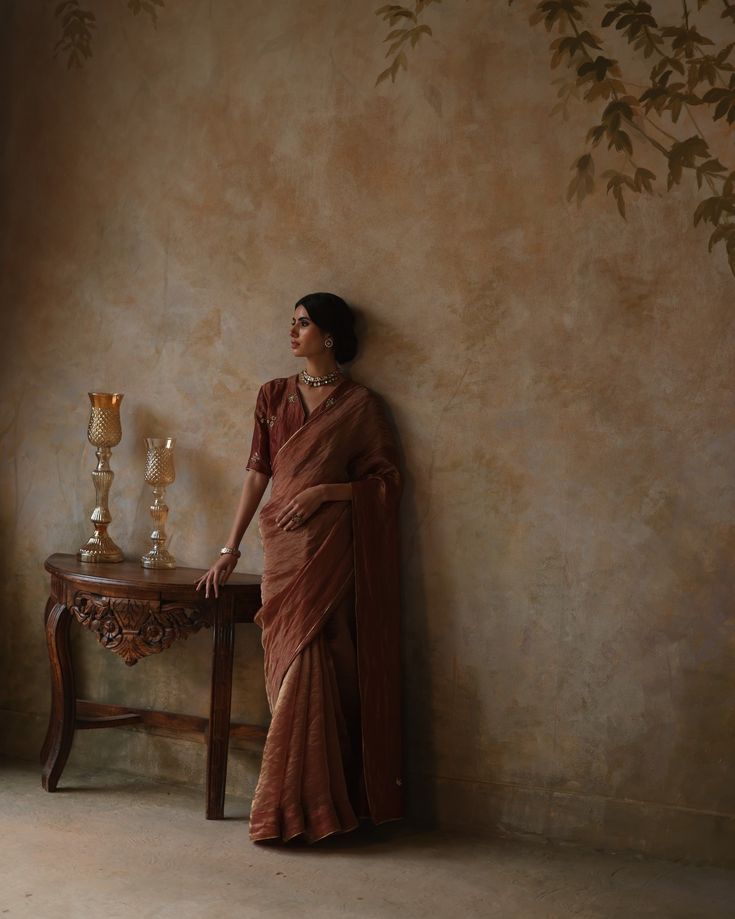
(279, 413)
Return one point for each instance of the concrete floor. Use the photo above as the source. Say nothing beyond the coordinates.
(115, 846)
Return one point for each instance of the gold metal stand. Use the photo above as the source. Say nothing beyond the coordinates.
(104, 432)
(159, 472)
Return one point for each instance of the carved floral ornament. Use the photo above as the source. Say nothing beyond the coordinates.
(135, 628)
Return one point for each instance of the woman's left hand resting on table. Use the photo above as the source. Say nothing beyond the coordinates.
(253, 487)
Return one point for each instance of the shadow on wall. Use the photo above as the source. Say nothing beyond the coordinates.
(696, 631)
(419, 723)
(690, 646)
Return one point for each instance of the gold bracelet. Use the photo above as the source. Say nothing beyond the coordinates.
(228, 550)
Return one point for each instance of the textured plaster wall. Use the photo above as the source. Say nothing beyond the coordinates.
(561, 382)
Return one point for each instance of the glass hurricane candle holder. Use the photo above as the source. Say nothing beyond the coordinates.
(159, 473)
(103, 432)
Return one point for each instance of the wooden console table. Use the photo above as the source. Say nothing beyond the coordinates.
(135, 612)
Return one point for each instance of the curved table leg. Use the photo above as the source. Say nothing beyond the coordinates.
(50, 603)
(62, 718)
(218, 733)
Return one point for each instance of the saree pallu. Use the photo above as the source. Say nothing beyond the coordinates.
(330, 627)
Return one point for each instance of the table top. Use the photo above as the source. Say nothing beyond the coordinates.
(132, 573)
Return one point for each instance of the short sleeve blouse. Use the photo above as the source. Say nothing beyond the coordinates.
(260, 453)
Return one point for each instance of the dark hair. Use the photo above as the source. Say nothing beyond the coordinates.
(332, 314)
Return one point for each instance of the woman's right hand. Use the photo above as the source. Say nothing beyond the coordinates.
(217, 574)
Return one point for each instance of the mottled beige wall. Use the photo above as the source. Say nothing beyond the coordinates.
(561, 381)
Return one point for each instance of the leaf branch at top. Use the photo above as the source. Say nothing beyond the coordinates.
(400, 38)
(680, 50)
(77, 25)
(76, 32)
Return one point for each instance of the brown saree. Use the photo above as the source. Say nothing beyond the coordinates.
(330, 617)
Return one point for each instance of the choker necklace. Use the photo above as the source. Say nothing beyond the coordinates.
(320, 381)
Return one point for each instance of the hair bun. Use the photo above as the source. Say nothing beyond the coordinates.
(345, 346)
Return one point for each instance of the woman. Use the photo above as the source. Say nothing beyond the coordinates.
(330, 589)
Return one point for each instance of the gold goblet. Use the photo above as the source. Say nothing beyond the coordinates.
(159, 472)
(104, 433)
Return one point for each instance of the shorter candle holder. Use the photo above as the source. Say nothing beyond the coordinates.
(159, 472)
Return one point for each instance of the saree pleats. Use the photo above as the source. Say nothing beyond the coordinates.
(309, 779)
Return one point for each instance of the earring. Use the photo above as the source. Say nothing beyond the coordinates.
(328, 343)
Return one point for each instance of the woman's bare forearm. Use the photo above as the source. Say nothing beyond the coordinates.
(253, 488)
(338, 492)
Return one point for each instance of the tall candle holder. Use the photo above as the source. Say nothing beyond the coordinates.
(103, 432)
(159, 472)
